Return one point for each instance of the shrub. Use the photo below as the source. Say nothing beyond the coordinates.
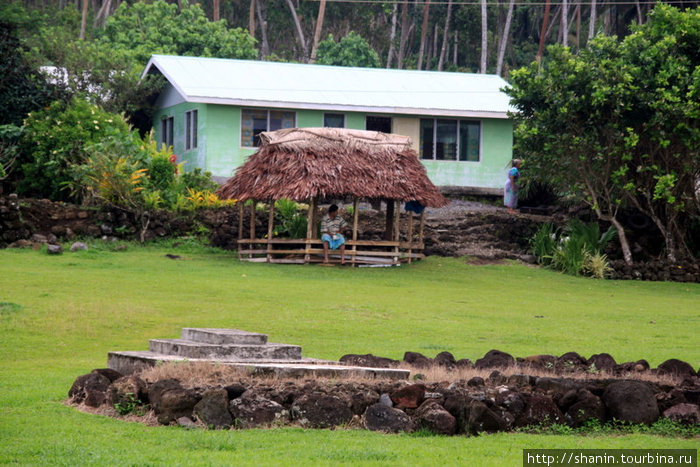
(196, 179)
(579, 250)
(56, 139)
(543, 243)
(292, 223)
(596, 265)
(161, 173)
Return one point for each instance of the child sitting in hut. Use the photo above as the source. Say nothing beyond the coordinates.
(331, 226)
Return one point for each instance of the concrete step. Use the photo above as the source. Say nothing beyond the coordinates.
(130, 362)
(223, 336)
(192, 349)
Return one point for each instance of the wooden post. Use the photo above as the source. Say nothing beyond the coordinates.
(388, 234)
(395, 228)
(355, 217)
(420, 228)
(252, 226)
(410, 235)
(309, 230)
(270, 224)
(241, 213)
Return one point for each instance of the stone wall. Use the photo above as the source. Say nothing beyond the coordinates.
(683, 271)
(508, 397)
(490, 236)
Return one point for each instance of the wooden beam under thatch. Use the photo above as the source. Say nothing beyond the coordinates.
(306, 163)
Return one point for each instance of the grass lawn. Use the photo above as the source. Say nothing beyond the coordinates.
(60, 315)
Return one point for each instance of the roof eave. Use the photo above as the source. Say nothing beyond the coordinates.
(349, 108)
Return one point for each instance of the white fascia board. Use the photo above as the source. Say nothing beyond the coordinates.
(173, 83)
(350, 108)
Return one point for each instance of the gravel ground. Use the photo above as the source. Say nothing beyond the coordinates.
(458, 207)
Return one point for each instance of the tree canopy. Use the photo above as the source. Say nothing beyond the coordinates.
(617, 123)
(351, 50)
(163, 28)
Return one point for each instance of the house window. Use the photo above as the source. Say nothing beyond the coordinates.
(450, 140)
(255, 121)
(191, 129)
(166, 131)
(374, 123)
(334, 120)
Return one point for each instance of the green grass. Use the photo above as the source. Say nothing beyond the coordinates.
(60, 315)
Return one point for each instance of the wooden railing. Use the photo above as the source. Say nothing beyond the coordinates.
(300, 251)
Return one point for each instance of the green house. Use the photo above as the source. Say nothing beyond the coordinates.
(211, 112)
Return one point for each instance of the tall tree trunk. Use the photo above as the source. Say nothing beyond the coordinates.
(404, 33)
(484, 38)
(565, 23)
(591, 21)
(504, 38)
(102, 13)
(578, 26)
(83, 21)
(300, 32)
(251, 18)
(392, 36)
(216, 7)
(317, 32)
(445, 36)
(455, 48)
(423, 33)
(640, 17)
(543, 34)
(265, 47)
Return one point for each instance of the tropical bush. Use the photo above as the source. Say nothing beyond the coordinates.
(292, 223)
(139, 175)
(543, 243)
(57, 138)
(579, 249)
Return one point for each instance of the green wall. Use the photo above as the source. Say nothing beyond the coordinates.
(194, 157)
(219, 144)
(490, 171)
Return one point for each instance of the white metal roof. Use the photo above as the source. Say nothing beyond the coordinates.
(303, 86)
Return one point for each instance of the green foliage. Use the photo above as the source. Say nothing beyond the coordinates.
(197, 180)
(596, 265)
(117, 181)
(578, 250)
(131, 404)
(293, 224)
(351, 50)
(618, 122)
(593, 241)
(57, 138)
(662, 427)
(145, 29)
(9, 137)
(569, 255)
(22, 88)
(161, 172)
(543, 243)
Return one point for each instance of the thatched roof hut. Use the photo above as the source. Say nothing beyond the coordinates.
(306, 163)
(310, 164)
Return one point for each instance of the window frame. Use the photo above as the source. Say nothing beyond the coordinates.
(267, 122)
(434, 122)
(334, 114)
(167, 124)
(191, 125)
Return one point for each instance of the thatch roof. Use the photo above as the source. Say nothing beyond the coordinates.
(302, 163)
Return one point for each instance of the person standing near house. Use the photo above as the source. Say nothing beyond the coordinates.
(331, 226)
(510, 194)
